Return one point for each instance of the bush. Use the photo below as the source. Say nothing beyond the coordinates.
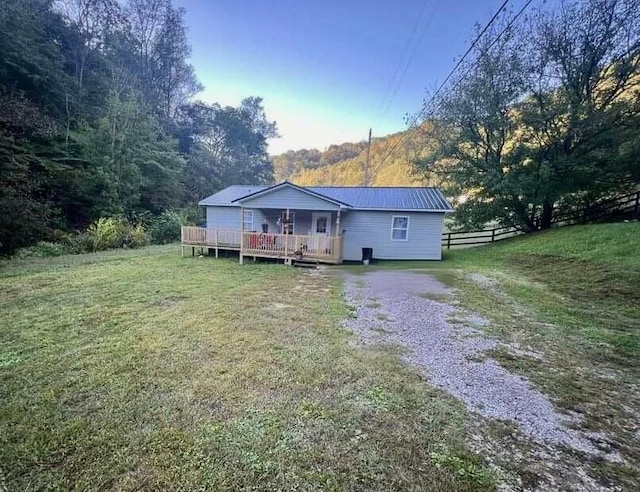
(192, 216)
(166, 227)
(138, 237)
(42, 250)
(81, 242)
(108, 233)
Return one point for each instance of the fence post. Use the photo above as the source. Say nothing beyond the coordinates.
(448, 240)
(637, 201)
(493, 235)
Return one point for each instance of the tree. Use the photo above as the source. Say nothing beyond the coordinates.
(225, 146)
(544, 118)
(135, 166)
(96, 118)
(161, 49)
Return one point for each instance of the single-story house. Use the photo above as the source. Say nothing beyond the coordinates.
(328, 224)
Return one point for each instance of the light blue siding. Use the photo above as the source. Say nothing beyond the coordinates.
(223, 217)
(366, 229)
(229, 218)
(289, 198)
(363, 229)
(304, 222)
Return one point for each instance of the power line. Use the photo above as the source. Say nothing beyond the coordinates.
(396, 88)
(428, 103)
(405, 50)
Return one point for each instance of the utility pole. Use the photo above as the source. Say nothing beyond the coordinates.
(366, 164)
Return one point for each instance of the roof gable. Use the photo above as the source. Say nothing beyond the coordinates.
(285, 185)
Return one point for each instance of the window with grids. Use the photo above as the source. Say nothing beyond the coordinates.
(321, 225)
(247, 220)
(400, 228)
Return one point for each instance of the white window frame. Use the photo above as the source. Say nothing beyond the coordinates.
(393, 221)
(244, 221)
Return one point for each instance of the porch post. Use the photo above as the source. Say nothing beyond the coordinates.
(286, 236)
(340, 240)
(241, 232)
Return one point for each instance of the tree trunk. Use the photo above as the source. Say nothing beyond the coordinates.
(547, 215)
(527, 222)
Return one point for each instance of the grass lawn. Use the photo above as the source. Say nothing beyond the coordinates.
(140, 370)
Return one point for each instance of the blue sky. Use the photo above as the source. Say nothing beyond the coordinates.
(324, 67)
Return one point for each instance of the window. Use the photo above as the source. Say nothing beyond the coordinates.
(247, 220)
(400, 228)
(321, 225)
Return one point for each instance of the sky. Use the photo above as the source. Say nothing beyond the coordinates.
(329, 70)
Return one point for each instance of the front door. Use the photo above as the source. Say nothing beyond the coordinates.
(321, 222)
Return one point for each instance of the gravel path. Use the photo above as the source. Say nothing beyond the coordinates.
(394, 307)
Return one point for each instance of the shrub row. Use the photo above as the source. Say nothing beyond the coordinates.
(110, 233)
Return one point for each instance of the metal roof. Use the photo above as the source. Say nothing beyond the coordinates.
(357, 197)
(228, 195)
(387, 198)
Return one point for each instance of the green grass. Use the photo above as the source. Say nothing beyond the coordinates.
(585, 280)
(140, 370)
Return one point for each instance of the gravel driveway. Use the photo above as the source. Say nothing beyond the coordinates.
(398, 307)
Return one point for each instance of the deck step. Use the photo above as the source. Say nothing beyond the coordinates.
(305, 263)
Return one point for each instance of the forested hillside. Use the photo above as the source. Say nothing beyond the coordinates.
(344, 164)
(98, 118)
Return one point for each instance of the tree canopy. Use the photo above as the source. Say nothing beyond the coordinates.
(98, 118)
(545, 116)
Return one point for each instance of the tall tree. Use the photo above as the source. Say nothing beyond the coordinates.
(226, 146)
(544, 117)
(160, 44)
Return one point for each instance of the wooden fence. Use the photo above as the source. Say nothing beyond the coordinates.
(601, 210)
(629, 203)
(480, 236)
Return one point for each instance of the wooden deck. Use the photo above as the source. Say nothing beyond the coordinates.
(287, 247)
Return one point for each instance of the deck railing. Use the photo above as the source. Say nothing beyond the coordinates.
(215, 238)
(323, 248)
(291, 245)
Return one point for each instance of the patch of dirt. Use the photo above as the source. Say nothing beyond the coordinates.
(169, 301)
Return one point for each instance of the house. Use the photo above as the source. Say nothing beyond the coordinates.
(328, 224)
